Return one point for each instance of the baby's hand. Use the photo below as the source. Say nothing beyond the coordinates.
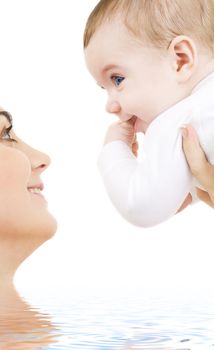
(123, 131)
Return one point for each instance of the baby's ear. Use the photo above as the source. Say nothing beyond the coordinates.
(184, 58)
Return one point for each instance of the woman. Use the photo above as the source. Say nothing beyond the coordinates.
(25, 224)
(202, 170)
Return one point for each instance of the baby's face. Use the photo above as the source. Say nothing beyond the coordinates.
(139, 80)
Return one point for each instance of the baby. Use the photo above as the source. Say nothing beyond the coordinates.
(155, 59)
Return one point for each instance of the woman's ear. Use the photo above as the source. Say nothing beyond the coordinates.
(183, 56)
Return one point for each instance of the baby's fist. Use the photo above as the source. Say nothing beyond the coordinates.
(123, 131)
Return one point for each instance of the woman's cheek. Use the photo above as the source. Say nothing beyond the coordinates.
(15, 169)
(14, 177)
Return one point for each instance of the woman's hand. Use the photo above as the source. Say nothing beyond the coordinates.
(201, 169)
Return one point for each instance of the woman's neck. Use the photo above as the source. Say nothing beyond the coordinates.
(13, 251)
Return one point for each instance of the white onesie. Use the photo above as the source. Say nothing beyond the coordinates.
(151, 190)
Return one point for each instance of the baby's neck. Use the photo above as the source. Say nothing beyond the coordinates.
(205, 67)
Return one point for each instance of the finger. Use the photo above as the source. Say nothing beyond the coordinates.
(132, 120)
(204, 196)
(135, 154)
(135, 147)
(187, 201)
(200, 168)
(135, 139)
(192, 149)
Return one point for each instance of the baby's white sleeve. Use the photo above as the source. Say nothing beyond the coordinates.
(149, 191)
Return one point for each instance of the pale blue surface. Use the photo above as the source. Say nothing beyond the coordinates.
(133, 321)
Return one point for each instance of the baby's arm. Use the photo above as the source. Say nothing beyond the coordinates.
(152, 190)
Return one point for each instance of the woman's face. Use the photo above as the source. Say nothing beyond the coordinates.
(23, 210)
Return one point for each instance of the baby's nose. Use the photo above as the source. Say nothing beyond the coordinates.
(112, 106)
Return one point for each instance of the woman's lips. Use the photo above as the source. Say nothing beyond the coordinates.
(36, 191)
(37, 185)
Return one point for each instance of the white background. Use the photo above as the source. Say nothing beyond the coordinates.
(59, 109)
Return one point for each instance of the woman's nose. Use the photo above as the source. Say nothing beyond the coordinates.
(112, 106)
(39, 160)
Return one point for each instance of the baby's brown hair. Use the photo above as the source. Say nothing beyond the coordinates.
(157, 21)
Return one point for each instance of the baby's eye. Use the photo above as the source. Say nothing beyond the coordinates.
(5, 135)
(117, 79)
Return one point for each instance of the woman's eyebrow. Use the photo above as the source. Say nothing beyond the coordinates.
(7, 115)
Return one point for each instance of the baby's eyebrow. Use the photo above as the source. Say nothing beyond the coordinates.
(105, 69)
(7, 115)
(108, 67)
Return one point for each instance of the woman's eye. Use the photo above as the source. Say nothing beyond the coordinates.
(5, 135)
(117, 79)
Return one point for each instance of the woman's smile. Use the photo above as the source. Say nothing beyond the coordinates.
(36, 191)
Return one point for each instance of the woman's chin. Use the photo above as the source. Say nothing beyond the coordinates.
(48, 228)
(38, 228)
(54, 227)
